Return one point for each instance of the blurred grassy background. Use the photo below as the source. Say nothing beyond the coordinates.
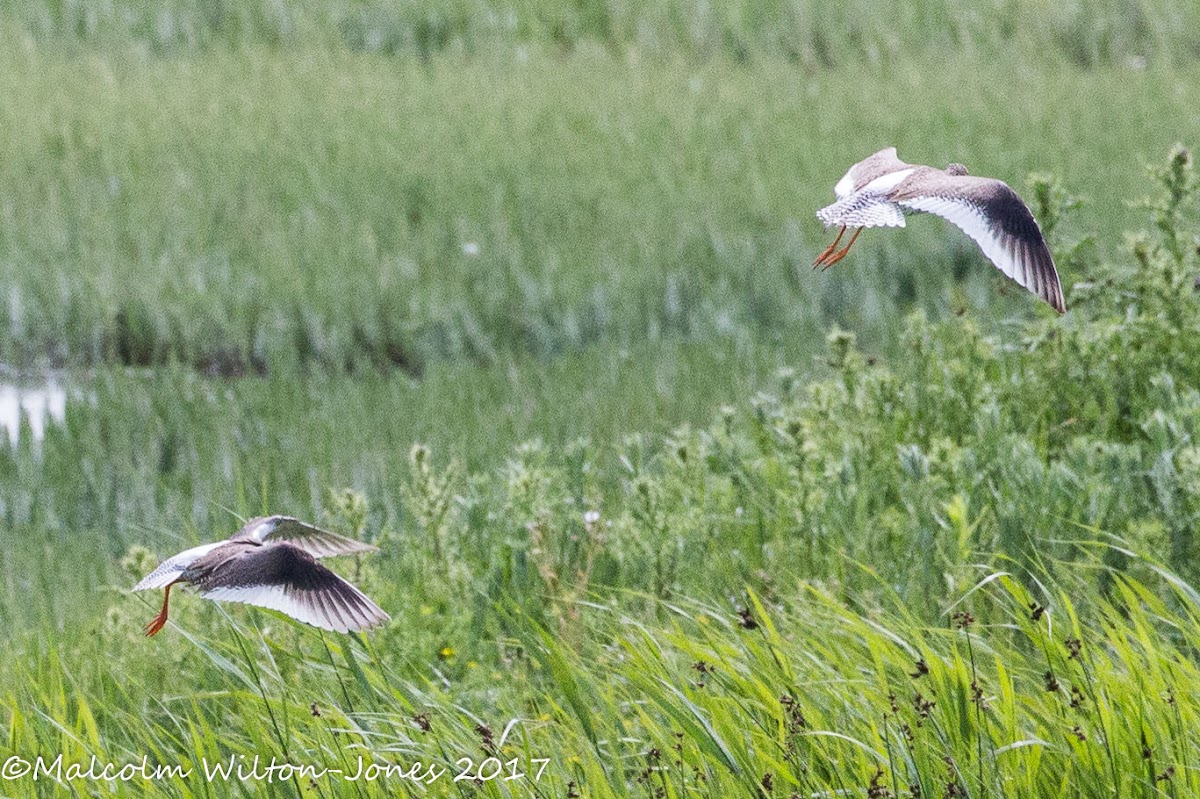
(805, 33)
(261, 208)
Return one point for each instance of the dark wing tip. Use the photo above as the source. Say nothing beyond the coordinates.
(346, 608)
(1046, 282)
(1010, 215)
(1056, 300)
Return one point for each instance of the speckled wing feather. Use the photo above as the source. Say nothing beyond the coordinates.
(313, 540)
(863, 209)
(869, 205)
(284, 577)
(992, 214)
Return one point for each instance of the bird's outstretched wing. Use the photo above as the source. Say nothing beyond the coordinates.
(170, 569)
(285, 578)
(313, 540)
(1001, 224)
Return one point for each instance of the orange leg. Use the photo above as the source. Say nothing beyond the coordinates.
(829, 250)
(840, 254)
(160, 620)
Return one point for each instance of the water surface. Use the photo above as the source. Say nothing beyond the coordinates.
(41, 401)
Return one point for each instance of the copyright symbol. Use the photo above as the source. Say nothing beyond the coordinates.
(15, 768)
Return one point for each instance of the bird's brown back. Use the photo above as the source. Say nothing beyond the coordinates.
(875, 166)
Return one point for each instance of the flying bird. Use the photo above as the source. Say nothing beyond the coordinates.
(272, 563)
(881, 189)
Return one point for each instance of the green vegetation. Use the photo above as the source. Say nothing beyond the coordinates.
(522, 293)
(816, 697)
(921, 575)
(807, 33)
(254, 212)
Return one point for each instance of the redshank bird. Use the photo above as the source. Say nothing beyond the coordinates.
(881, 189)
(272, 563)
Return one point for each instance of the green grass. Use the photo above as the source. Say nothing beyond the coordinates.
(665, 526)
(264, 211)
(139, 452)
(1058, 693)
(810, 33)
(899, 574)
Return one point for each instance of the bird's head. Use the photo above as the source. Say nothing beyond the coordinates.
(958, 170)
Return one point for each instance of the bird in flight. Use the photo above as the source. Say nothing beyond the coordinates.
(881, 189)
(272, 563)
